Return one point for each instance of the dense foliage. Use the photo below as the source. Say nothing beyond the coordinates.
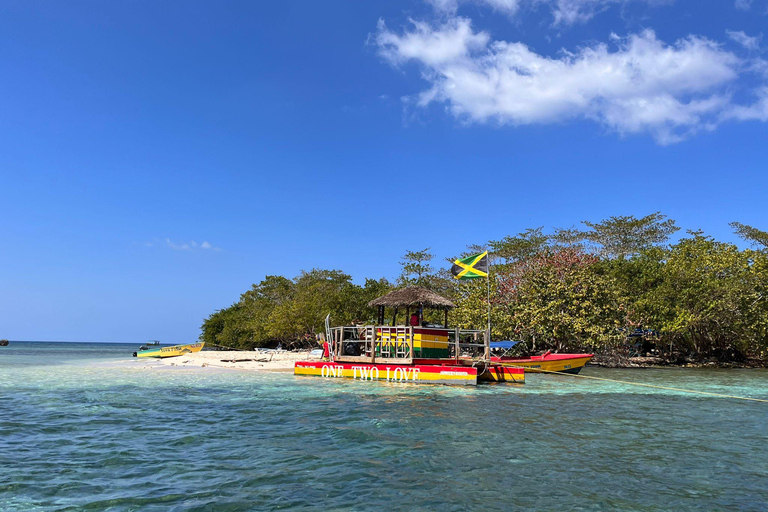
(615, 287)
(291, 312)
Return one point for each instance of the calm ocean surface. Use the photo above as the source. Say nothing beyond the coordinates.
(84, 426)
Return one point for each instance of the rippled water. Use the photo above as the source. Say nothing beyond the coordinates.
(84, 427)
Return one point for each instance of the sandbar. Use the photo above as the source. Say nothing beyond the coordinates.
(241, 360)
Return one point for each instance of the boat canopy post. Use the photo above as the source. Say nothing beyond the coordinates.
(457, 337)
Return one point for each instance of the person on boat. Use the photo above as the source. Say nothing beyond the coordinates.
(326, 350)
(415, 319)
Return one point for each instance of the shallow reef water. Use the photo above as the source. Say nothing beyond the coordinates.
(87, 427)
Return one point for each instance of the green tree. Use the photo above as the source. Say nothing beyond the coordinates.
(291, 312)
(560, 300)
(521, 246)
(712, 299)
(259, 304)
(753, 235)
(315, 294)
(637, 277)
(357, 301)
(227, 328)
(569, 238)
(619, 237)
(416, 268)
(471, 312)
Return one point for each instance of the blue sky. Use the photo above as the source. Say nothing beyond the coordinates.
(156, 158)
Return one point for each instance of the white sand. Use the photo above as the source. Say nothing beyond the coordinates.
(240, 360)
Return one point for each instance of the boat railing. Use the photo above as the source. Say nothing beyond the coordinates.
(369, 343)
(472, 343)
(384, 343)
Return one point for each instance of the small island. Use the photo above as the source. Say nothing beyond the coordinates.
(620, 288)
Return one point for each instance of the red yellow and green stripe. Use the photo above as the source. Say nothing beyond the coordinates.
(442, 373)
(424, 374)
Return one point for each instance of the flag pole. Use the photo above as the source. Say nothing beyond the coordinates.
(488, 281)
(465, 269)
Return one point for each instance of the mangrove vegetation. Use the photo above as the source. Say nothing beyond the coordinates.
(620, 287)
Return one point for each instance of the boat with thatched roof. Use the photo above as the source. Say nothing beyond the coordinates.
(412, 351)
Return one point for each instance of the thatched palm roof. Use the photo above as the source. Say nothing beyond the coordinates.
(412, 296)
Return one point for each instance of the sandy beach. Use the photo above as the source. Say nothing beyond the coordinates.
(240, 360)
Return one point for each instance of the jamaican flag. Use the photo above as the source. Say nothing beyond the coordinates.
(471, 267)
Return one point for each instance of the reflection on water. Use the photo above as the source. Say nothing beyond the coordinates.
(90, 427)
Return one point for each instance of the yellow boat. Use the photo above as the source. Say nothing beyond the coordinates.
(547, 362)
(175, 350)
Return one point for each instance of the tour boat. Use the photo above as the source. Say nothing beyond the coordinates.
(548, 362)
(545, 363)
(175, 350)
(417, 353)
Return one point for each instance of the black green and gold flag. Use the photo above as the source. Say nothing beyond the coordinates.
(471, 267)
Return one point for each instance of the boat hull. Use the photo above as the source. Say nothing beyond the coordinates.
(174, 351)
(491, 373)
(419, 374)
(496, 373)
(562, 363)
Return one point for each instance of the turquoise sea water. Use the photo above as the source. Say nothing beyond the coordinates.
(87, 427)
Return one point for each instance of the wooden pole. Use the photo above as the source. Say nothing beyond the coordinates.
(456, 336)
(373, 343)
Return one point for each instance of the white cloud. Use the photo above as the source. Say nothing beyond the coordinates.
(189, 246)
(177, 247)
(757, 111)
(744, 5)
(641, 86)
(749, 42)
(432, 47)
(450, 6)
(569, 12)
(565, 12)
